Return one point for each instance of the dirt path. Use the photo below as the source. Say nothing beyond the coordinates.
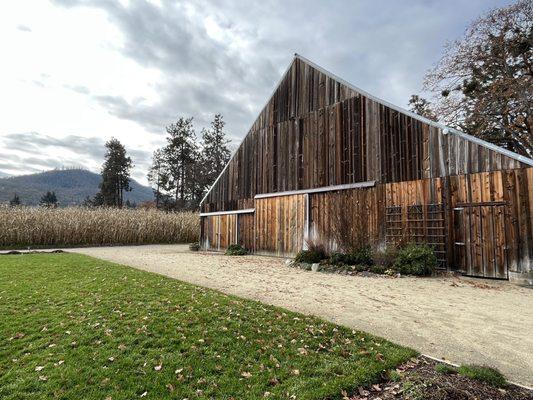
(457, 319)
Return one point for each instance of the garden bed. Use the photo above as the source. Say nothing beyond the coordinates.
(424, 378)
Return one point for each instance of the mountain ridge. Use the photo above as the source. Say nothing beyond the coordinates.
(71, 186)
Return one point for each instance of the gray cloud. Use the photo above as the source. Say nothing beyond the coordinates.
(382, 46)
(35, 142)
(35, 147)
(24, 28)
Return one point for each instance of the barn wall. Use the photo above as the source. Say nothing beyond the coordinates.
(416, 213)
(280, 224)
(317, 132)
(427, 210)
(219, 231)
(353, 216)
(245, 236)
(513, 188)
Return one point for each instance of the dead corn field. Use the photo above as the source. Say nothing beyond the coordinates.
(77, 226)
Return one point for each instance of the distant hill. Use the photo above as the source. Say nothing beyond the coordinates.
(71, 187)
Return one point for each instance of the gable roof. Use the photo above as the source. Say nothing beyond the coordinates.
(444, 128)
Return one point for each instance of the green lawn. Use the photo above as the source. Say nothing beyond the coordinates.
(74, 327)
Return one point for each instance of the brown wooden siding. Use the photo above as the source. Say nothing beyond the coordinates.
(219, 231)
(514, 190)
(279, 224)
(317, 132)
(347, 218)
(480, 223)
(246, 233)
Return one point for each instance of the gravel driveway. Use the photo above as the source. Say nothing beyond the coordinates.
(458, 319)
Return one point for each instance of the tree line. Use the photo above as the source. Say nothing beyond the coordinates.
(183, 169)
(483, 84)
(180, 173)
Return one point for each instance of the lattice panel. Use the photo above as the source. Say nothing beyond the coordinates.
(420, 223)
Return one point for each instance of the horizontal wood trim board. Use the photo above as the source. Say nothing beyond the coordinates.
(359, 185)
(245, 211)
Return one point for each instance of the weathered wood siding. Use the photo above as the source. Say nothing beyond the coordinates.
(416, 213)
(279, 224)
(245, 234)
(317, 132)
(348, 217)
(219, 231)
(512, 189)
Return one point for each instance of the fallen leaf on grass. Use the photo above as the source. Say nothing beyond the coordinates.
(158, 367)
(18, 335)
(246, 374)
(39, 368)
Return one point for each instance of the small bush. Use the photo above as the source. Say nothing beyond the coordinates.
(416, 259)
(484, 374)
(310, 256)
(236, 250)
(445, 369)
(377, 269)
(385, 256)
(339, 259)
(360, 256)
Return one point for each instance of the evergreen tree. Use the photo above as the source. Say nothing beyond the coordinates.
(115, 174)
(157, 175)
(15, 201)
(180, 155)
(88, 202)
(215, 152)
(49, 199)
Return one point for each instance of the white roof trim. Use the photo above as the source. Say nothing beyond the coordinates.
(244, 211)
(454, 131)
(357, 185)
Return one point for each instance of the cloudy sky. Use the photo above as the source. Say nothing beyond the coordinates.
(74, 73)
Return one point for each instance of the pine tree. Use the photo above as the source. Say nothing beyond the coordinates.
(15, 201)
(215, 152)
(180, 157)
(115, 174)
(157, 175)
(49, 199)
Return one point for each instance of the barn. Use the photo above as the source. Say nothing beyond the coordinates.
(327, 162)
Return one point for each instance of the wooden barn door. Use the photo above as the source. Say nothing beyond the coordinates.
(481, 239)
